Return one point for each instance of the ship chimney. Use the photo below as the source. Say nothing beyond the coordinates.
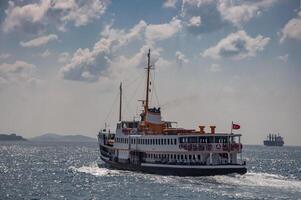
(212, 129)
(202, 129)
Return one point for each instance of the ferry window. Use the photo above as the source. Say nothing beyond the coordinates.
(164, 141)
(199, 157)
(189, 157)
(209, 139)
(161, 141)
(168, 141)
(175, 141)
(192, 140)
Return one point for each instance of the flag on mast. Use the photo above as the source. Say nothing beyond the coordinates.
(235, 126)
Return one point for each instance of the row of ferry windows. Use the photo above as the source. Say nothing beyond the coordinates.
(169, 141)
(212, 139)
(174, 156)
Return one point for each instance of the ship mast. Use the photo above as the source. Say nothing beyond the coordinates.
(147, 82)
(120, 101)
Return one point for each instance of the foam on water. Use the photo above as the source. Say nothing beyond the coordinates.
(260, 180)
(95, 170)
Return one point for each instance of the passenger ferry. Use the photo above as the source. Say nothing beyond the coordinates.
(152, 145)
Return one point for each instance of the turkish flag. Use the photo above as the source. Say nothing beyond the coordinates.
(235, 126)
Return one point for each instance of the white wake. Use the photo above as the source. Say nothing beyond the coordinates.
(95, 170)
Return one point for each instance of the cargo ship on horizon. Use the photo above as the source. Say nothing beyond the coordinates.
(274, 140)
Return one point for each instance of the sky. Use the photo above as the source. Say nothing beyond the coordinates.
(215, 61)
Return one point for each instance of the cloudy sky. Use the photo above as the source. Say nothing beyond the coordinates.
(215, 61)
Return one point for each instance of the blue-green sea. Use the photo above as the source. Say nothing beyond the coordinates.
(32, 170)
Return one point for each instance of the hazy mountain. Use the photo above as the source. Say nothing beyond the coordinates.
(52, 137)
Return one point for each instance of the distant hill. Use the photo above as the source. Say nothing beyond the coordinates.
(52, 137)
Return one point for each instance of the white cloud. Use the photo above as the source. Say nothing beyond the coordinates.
(216, 14)
(64, 57)
(4, 56)
(195, 21)
(89, 65)
(283, 58)
(19, 71)
(39, 41)
(17, 16)
(181, 58)
(240, 12)
(45, 54)
(170, 3)
(34, 17)
(155, 32)
(83, 12)
(292, 30)
(237, 46)
(215, 68)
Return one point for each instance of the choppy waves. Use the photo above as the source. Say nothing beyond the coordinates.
(260, 180)
(95, 170)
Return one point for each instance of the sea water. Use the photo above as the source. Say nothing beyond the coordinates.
(31, 170)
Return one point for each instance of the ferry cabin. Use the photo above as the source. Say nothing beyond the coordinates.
(174, 147)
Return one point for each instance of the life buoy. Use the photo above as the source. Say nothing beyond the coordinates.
(209, 147)
(218, 146)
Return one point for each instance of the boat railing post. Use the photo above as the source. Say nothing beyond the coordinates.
(210, 158)
(228, 158)
(240, 150)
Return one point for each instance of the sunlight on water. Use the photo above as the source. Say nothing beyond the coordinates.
(95, 170)
(71, 171)
(260, 180)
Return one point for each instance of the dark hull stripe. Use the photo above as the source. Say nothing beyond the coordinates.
(175, 171)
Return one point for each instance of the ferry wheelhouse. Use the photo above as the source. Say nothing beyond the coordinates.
(152, 145)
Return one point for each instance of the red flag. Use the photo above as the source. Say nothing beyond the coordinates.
(235, 126)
